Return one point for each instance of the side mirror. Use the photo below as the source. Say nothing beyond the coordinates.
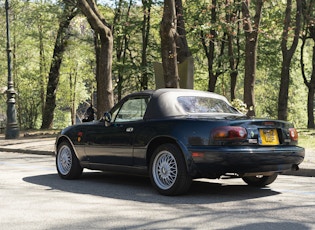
(107, 118)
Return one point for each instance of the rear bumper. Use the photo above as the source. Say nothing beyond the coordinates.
(215, 161)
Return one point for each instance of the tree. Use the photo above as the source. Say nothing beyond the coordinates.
(209, 41)
(104, 50)
(145, 32)
(136, 46)
(309, 33)
(219, 31)
(70, 11)
(233, 42)
(183, 51)
(121, 42)
(287, 54)
(251, 30)
(168, 45)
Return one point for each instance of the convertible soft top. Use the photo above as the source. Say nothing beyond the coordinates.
(164, 103)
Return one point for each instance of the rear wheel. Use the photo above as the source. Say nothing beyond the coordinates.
(168, 172)
(260, 181)
(67, 163)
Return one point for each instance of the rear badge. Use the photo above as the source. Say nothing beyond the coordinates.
(252, 141)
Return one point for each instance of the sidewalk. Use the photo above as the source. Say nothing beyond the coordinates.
(44, 145)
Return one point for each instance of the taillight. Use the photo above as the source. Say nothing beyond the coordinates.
(293, 134)
(229, 133)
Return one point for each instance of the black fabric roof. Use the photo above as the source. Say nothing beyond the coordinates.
(164, 102)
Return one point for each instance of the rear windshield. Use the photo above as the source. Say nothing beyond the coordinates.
(193, 104)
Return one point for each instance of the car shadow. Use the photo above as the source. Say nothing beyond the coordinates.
(271, 225)
(138, 188)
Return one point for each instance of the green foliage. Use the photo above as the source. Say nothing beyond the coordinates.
(307, 138)
(77, 73)
(266, 93)
(25, 20)
(239, 105)
(297, 101)
(32, 20)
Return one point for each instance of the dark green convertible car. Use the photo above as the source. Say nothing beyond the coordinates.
(177, 135)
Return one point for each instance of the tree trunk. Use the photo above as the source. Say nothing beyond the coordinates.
(42, 67)
(310, 106)
(287, 55)
(209, 39)
(183, 51)
(122, 44)
(309, 33)
(210, 49)
(311, 88)
(168, 45)
(145, 31)
(233, 77)
(73, 75)
(233, 48)
(104, 50)
(53, 78)
(212, 77)
(251, 43)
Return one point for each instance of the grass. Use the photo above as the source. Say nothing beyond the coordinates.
(307, 138)
(39, 132)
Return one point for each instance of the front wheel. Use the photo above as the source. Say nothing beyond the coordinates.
(168, 172)
(67, 163)
(260, 181)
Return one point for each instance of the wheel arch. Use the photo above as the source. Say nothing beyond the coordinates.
(64, 138)
(163, 140)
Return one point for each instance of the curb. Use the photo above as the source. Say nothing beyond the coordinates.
(27, 151)
(301, 172)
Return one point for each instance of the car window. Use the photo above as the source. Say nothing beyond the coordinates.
(193, 104)
(131, 110)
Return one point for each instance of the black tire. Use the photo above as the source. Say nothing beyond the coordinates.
(260, 181)
(67, 163)
(168, 172)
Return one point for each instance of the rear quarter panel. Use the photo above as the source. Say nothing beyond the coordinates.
(185, 132)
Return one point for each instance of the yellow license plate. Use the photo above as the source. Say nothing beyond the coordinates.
(269, 137)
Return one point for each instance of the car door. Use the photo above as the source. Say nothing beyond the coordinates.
(113, 144)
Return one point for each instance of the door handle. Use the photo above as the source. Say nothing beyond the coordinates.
(129, 129)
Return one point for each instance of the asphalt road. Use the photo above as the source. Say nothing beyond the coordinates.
(32, 196)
